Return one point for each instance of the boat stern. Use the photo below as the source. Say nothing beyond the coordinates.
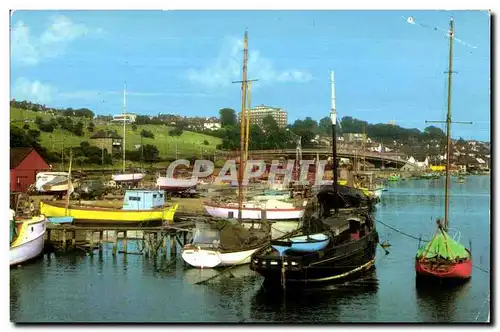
(201, 258)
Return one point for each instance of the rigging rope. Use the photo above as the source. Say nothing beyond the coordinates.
(416, 238)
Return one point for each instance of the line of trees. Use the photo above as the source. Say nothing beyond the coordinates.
(27, 105)
(271, 136)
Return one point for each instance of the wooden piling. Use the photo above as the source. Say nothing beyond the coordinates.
(125, 241)
(73, 239)
(101, 240)
(146, 244)
(166, 239)
(64, 240)
(91, 241)
(115, 243)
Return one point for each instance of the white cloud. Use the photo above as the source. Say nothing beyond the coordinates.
(34, 91)
(28, 49)
(227, 68)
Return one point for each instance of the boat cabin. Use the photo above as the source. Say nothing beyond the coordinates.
(141, 199)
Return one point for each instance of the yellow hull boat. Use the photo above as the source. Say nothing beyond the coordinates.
(96, 214)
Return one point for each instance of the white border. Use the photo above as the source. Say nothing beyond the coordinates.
(147, 4)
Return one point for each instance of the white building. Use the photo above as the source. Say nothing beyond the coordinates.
(211, 126)
(129, 118)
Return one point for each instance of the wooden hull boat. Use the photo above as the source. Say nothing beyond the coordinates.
(333, 263)
(444, 269)
(95, 214)
(29, 241)
(443, 258)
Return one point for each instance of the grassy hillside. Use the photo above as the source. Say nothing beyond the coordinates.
(188, 144)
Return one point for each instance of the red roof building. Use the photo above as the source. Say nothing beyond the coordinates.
(25, 163)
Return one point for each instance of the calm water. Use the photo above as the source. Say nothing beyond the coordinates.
(102, 288)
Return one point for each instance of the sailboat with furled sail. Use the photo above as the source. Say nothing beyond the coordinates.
(331, 247)
(131, 178)
(226, 242)
(443, 257)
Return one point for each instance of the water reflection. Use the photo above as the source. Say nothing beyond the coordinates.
(438, 301)
(309, 303)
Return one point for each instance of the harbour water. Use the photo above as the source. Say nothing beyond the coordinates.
(103, 288)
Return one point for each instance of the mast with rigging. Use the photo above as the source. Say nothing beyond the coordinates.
(124, 111)
(242, 127)
(333, 118)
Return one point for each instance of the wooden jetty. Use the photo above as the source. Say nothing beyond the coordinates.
(66, 237)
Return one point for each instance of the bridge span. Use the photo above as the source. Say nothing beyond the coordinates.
(397, 159)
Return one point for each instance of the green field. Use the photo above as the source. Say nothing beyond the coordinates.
(189, 144)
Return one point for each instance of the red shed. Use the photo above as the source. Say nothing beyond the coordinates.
(25, 163)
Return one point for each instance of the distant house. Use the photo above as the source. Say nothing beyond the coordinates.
(108, 140)
(211, 126)
(25, 163)
(127, 117)
(353, 137)
(414, 165)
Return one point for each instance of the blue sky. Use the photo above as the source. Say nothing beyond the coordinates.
(184, 61)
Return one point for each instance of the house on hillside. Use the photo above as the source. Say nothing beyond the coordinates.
(414, 165)
(108, 140)
(211, 126)
(25, 163)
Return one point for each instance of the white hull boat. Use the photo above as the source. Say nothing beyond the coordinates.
(205, 258)
(51, 181)
(30, 240)
(274, 209)
(135, 177)
(173, 184)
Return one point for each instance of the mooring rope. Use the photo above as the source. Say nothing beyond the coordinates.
(482, 306)
(399, 231)
(417, 238)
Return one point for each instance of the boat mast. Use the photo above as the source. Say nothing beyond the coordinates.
(124, 110)
(333, 117)
(242, 127)
(248, 119)
(68, 193)
(448, 132)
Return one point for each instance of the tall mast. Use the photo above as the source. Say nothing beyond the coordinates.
(333, 117)
(124, 111)
(242, 127)
(248, 119)
(448, 132)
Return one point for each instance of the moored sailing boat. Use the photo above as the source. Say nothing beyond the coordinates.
(228, 242)
(26, 238)
(332, 247)
(131, 178)
(443, 257)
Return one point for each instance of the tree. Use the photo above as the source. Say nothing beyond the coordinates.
(26, 126)
(91, 127)
(205, 142)
(325, 126)
(147, 134)
(34, 134)
(227, 117)
(78, 128)
(38, 121)
(134, 126)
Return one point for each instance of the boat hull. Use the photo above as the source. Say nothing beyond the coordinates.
(203, 258)
(103, 215)
(176, 185)
(127, 177)
(29, 243)
(457, 271)
(335, 265)
(254, 213)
